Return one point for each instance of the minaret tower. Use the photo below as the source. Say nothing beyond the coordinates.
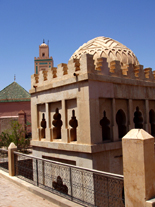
(43, 62)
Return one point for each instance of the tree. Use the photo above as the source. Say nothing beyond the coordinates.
(16, 134)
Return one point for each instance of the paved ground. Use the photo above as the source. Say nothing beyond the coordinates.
(12, 195)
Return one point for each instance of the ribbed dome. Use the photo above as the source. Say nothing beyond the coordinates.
(106, 47)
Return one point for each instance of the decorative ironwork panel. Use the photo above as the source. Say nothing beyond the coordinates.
(24, 167)
(4, 160)
(85, 186)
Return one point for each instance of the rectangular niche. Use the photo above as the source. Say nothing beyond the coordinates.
(151, 105)
(139, 108)
(71, 119)
(52, 110)
(55, 119)
(40, 112)
(105, 113)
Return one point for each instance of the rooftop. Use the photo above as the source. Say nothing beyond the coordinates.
(14, 93)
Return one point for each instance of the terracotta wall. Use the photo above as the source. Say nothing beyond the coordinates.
(11, 109)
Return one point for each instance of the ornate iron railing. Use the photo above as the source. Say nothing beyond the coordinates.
(4, 159)
(85, 186)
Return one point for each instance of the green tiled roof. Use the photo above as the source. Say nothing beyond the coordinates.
(14, 93)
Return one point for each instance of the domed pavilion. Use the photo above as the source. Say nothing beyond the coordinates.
(81, 109)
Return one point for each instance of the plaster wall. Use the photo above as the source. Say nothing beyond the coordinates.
(71, 97)
(81, 159)
(108, 161)
(12, 108)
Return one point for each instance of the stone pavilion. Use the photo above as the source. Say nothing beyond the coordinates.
(81, 110)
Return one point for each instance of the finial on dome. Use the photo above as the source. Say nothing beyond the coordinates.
(43, 41)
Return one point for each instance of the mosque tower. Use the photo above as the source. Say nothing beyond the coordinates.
(43, 62)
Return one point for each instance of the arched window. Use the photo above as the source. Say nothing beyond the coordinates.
(121, 122)
(152, 121)
(104, 122)
(138, 119)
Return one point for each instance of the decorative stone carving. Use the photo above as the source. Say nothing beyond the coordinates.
(57, 123)
(73, 123)
(43, 125)
(138, 119)
(106, 47)
(105, 127)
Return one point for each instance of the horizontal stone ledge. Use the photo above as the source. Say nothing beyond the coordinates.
(94, 148)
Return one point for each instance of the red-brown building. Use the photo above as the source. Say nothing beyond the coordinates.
(14, 105)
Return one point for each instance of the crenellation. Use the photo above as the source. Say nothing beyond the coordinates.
(99, 64)
(71, 66)
(139, 72)
(153, 73)
(87, 63)
(128, 71)
(54, 71)
(34, 80)
(148, 74)
(44, 75)
(65, 68)
(49, 75)
(102, 66)
(60, 70)
(41, 77)
(115, 68)
(77, 64)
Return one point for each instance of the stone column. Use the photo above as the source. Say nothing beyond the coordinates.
(131, 114)
(146, 115)
(48, 136)
(63, 117)
(115, 128)
(139, 167)
(11, 160)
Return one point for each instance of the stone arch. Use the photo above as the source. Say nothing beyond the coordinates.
(152, 121)
(138, 119)
(121, 122)
(104, 122)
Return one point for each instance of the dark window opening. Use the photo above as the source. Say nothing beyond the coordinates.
(121, 122)
(43, 125)
(138, 119)
(104, 122)
(57, 123)
(152, 121)
(73, 123)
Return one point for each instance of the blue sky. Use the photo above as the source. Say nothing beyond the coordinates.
(67, 24)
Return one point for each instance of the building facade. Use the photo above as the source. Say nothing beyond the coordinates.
(81, 110)
(15, 105)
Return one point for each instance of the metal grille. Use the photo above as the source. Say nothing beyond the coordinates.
(85, 186)
(4, 159)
